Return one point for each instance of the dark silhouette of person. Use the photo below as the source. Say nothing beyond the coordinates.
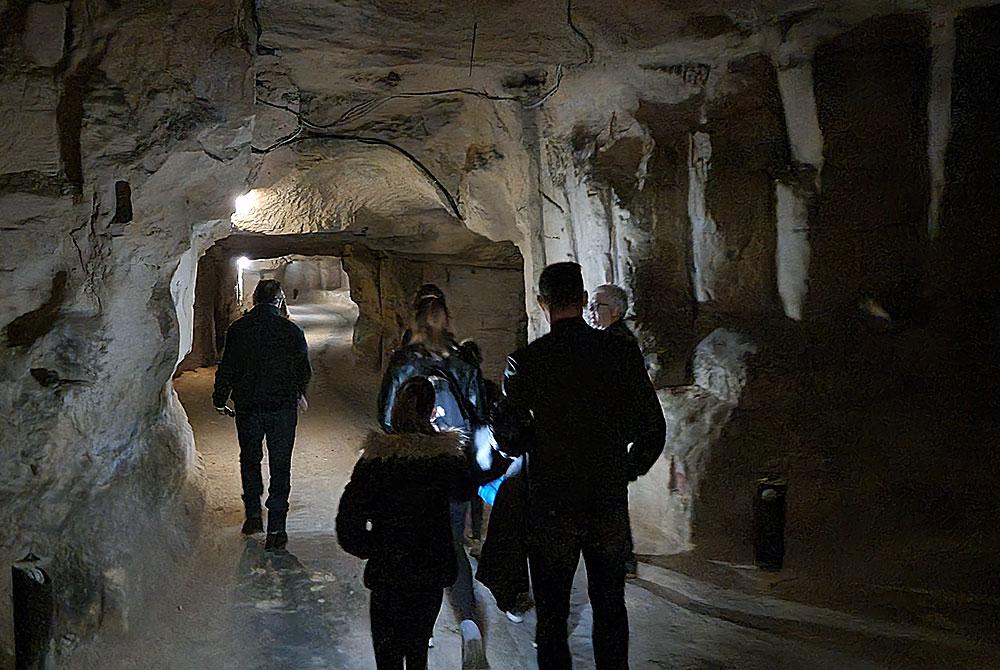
(503, 560)
(395, 512)
(425, 293)
(432, 352)
(470, 352)
(265, 368)
(608, 307)
(576, 399)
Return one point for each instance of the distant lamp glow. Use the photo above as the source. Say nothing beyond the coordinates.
(242, 263)
(244, 203)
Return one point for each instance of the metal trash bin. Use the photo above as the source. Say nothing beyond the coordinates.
(33, 612)
(769, 523)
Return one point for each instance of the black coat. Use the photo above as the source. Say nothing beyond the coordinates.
(401, 486)
(503, 560)
(576, 398)
(464, 379)
(621, 329)
(265, 365)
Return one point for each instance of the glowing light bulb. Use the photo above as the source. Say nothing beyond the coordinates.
(244, 203)
(243, 262)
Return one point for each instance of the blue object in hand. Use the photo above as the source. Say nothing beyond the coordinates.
(488, 491)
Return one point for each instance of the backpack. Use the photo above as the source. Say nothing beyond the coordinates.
(457, 411)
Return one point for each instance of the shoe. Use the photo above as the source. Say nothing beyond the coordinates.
(631, 569)
(253, 525)
(276, 541)
(522, 604)
(473, 650)
(475, 549)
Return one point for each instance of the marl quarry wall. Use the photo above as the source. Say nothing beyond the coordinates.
(796, 199)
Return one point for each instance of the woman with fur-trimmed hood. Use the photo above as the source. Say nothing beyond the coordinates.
(395, 513)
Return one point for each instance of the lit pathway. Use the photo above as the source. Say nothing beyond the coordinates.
(239, 607)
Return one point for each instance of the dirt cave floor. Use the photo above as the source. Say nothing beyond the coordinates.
(236, 606)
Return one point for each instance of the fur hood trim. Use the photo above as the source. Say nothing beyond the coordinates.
(414, 445)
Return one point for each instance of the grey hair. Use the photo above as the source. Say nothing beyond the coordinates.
(617, 297)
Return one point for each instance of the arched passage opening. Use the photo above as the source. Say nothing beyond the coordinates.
(355, 248)
(353, 302)
(351, 232)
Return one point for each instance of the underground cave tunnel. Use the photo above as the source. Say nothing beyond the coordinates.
(797, 198)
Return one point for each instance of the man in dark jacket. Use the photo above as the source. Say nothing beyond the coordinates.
(577, 398)
(265, 367)
(608, 306)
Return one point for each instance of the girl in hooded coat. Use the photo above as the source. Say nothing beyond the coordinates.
(395, 513)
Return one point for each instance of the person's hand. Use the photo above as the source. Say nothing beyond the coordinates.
(303, 404)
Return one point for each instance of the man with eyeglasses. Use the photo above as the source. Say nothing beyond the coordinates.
(607, 308)
(607, 311)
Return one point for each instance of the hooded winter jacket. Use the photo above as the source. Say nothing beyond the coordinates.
(395, 510)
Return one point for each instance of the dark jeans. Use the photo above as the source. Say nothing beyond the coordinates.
(279, 429)
(631, 563)
(461, 594)
(555, 544)
(401, 625)
(476, 516)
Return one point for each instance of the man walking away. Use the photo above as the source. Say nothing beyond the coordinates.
(608, 307)
(576, 398)
(265, 367)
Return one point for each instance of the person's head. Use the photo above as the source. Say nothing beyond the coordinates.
(428, 292)
(268, 292)
(431, 325)
(608, 305)
(560, 291)
(414, 407)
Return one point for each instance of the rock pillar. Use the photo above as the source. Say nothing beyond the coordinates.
(795, 192)
(939, 109)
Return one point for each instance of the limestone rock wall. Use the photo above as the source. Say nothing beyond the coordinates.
(764, 170)
(97, 459)
(486, 303)
(311, 280)
(663, 502)
(867, 230)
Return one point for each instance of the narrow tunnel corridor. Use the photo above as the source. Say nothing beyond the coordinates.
(794, 196)
(236, 606)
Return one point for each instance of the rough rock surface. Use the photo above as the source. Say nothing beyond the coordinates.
(99, 472)
(729, 165)
(662, 503)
